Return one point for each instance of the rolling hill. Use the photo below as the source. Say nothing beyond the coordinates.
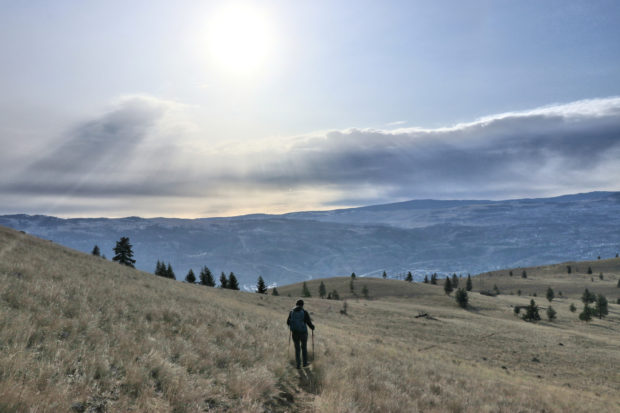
(422, 236)
(80, 333)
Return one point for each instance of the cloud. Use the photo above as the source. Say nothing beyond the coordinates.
(145, 153)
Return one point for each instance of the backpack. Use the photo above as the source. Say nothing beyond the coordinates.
(298, 321)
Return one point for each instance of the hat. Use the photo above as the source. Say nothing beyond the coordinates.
(299, 303)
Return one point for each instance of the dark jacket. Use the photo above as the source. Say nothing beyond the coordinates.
(307, 319)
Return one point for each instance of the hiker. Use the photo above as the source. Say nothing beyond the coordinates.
(297, 320)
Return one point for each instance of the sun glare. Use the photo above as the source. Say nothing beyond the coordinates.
(240, 39)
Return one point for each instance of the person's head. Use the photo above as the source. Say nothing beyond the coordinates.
(300, 303)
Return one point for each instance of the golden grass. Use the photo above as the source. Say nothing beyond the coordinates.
(80, 332)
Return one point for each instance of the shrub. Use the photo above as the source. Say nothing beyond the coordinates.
(550, 294)
(365, 292)
(572, 308)
(551, 313)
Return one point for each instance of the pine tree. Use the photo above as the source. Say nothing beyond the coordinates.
(510, 273)
(305, 292)
(409, 277)
(550, 294)
(618, 284)
(233, 284)
(322, 290)
(353, 275)
(365, 291)
(447, 286)
(335, 295)
(589, 270)
(206, 278)
(531, 312)
(524, 274)
(261, 288)
(275, 292)
(601, 309)
(384, 275)
(455, 281)
(223, 280)
(586, 314)
(190, 277)
(426, 280)
(170, 272)
(461, 297)
(160, 269)
(572, 308)
(587, 297)
(123, 252)
(351, 286)
(551, 313)
(468, 284)
(569, 269)
(96, 252)
(434, 279)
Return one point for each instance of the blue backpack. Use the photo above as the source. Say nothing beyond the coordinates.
(298, 321)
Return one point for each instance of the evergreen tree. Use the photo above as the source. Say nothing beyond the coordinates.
(409, 277)
(600, 308)
(384, 275)
(572, 308)
(524, 274)
(550, 294)
(586, 314)
(206, 278)
(190, 277)
(468, 284)
(305, 292)
(170, 272)
(551, 313)
(275, 292)
(335, 295)
(589, 270)
(353, 275)
(600, 276)
(618, 285)
(160, 269)
(233, 284)
(365, 291)
(587, 297)
(569, 269)
(510, 273)
(426, 280)
(531, 312)
(461, 297)
(434, 279)
(223, 280)
(351, 285)
(96, 252)
(123, 252)
(261, 288)
(447, 286)
(322, 290)
(455, 281)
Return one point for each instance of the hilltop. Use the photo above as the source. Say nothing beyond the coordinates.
(80, 333)
(421, 236)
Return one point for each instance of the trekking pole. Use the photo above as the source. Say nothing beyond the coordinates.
(313, 353)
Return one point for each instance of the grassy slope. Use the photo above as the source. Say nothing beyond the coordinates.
(78, 329)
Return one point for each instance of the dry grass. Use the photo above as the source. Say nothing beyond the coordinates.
(81, 332)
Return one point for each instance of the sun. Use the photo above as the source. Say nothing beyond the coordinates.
(240, 39)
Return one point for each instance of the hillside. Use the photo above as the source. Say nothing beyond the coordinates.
(421, 236)
(83, 334)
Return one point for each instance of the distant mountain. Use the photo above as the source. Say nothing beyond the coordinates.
(420, 236)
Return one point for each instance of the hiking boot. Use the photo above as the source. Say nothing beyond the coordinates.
(306, 364)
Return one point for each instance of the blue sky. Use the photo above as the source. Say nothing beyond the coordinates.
(121, 108)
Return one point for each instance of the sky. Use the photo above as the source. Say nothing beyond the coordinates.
(219, 108)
